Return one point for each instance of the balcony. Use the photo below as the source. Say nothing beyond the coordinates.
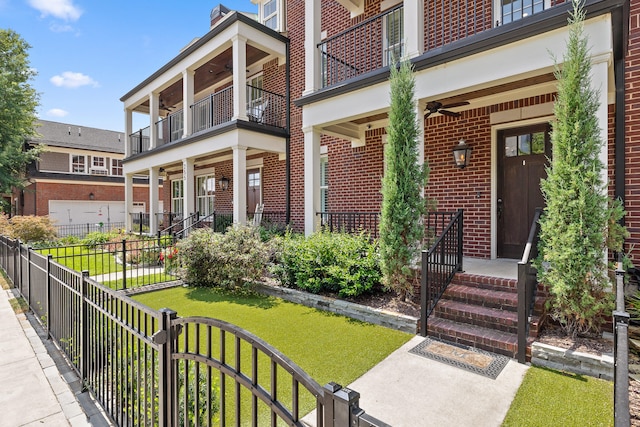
(263, 108)
(373, 43)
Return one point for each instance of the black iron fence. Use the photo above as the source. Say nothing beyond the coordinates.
(214, 110)
(621, 353)
(527, 283)
(440, 263)
(350, 222)
(148, 367)
(81, 230)
(119, 265)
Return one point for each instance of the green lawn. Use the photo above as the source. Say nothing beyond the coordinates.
(552, 398)
(328, 347)
(80, 258)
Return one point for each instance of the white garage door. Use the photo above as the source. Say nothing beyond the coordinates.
(68, 212)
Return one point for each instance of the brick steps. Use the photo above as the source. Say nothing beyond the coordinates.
(482, 312)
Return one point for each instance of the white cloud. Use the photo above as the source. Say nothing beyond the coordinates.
(63, 9)
(57, 112)
(72, 80)
(57, 28)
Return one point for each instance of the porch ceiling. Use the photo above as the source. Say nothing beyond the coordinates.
(354, 129)
(211, 74)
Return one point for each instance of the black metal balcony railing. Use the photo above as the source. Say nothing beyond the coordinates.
(140, 141)
(263, 107)
(170, 129)
(372, 43)
(213, 110)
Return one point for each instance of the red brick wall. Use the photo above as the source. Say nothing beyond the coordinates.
(632, 133)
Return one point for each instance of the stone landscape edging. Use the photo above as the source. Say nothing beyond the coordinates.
(563, 359)
(360, 312)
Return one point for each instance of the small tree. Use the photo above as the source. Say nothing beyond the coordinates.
(18, 102)
(403, 205)
(579, 221)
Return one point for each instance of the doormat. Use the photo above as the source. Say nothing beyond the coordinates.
(461, 356)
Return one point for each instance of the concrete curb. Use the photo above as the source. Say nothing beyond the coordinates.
(577, 362)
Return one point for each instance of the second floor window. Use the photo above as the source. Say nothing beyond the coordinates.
(78, 164)
(270, 14)
(393, 31)
(514, 10)
(116, 167)
(98, 165)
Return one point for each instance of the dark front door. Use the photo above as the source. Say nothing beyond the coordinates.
(522, 157)
(253, 189)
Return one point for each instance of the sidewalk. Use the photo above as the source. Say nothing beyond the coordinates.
(35, 389)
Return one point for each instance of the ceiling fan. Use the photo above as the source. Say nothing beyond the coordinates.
(164, 107)
(438, 107)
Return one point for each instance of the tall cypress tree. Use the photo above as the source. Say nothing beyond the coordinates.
(579, 221)
(401, 227)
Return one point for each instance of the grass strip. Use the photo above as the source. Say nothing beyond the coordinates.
(553, 398)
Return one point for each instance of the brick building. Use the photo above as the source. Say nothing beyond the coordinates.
(288, 109)
(78, 178)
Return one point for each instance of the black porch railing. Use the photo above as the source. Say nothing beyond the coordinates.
(266, 107)
(214, 110)
(527, 283)
(440, 263)
(140, 141)
(350, 222)
(370, 44)
(148, 367)
(139, 222)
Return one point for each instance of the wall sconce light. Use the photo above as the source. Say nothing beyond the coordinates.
(224, 183)
(462, 154)
(91, 196)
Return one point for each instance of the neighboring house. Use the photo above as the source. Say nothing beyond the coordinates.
(78, 178)
(291, 109)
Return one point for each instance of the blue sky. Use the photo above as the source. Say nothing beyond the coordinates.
(88, 53)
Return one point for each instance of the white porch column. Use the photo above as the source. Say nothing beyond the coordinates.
(154, 175)
(128, 201)
(239, 78)
(239, 185)
(312, 31)
(128, 123)
(311, 179)
(189, 188)
(187, 96)
(154, 112)
(413, 16)
(599, 79)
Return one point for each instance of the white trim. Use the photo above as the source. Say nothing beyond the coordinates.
(255, 163)
(388, 4)
(497, 12)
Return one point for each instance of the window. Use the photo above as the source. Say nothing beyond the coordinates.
(324, 183)
(177, 196)
(513, 10)
(78, 164)
(116, 167)
(524, 145)
(270, 14)
(393, 32)
(206, 193)
(98, 165)
(255, 106)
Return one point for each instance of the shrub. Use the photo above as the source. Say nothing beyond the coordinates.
(5, 225)
(229, 260)
(32, 228)
(329, 262)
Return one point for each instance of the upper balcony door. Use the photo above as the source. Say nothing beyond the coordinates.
(256, 103)
(507, 11)
(393, 36)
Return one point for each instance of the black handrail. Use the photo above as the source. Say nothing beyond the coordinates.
(199, 221)
(527, 283)
(439, 265)
(173, 227)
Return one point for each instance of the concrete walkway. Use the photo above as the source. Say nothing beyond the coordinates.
(37, 389)
(406, 389)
